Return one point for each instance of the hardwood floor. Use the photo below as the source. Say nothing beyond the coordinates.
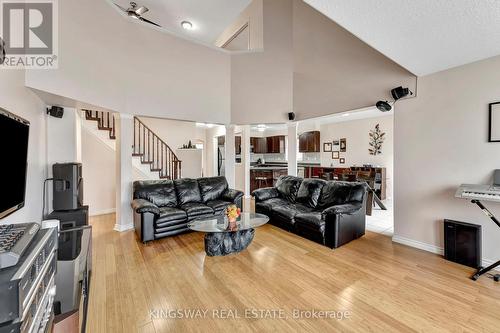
(385, 287)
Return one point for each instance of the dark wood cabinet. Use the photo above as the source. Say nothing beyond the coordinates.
(259, 145)
(237, 145)
(276, 144)
(309, 142)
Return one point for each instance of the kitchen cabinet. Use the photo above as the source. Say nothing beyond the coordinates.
(309, 142)
(259, 145)
(276, 144)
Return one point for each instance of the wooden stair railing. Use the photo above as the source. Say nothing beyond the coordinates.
(105, 121)
(155, 151)
(147, 145)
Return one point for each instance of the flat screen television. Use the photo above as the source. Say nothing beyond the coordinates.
(14, 134)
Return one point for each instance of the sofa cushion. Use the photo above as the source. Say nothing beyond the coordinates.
(212, 188)
(287, 213)
(313, 221)
(187, 190)
(288, 187)
(309, 192)
(218, 205)
(334, 193)
(265, 207)
(169, 214)
(194, 209)
(160, 192)
(164, 197)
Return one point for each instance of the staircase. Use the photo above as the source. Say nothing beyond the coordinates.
(151, 150)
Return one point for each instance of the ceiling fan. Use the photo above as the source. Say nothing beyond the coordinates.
(136, 12)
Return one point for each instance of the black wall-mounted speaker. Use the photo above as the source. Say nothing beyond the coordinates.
(56, 111)
(291, 116)
(400, 92)
(462, 243)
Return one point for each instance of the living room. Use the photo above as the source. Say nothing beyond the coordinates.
(325, 112)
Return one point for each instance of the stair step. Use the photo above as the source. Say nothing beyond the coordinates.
(147, 162)
(137, 154)
(104, 128)
(164, 177)
(155, 170)
(112, 137)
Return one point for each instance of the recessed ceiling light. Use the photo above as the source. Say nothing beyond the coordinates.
(187, 25)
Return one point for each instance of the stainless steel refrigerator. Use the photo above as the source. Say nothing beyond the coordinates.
(221, 162)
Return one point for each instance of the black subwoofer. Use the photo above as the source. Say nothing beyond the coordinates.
(462, 243)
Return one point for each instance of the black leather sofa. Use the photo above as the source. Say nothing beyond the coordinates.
(331, 213)
(163, 207)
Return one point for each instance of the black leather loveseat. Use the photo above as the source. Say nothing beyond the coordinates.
(330, 213)
(163, 207)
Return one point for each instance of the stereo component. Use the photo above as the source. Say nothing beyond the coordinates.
(26, 288)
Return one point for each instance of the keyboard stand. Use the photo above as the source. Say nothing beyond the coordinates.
(482, 270)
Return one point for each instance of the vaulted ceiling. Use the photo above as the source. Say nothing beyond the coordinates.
(209, 17)
(424, 36)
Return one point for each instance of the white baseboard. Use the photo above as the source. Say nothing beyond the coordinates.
(418, 245)
(122, 228)
(102, 212)
(431, 248)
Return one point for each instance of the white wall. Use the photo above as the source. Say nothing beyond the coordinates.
(99, 183)
(19, 100)
(178, 133)
(440, 141)
(356, 133)
(121, 65)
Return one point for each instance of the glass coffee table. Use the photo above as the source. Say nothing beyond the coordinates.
(222, 237)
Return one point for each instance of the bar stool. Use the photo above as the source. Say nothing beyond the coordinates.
(261, 182)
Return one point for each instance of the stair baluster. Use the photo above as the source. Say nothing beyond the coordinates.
(147, 145)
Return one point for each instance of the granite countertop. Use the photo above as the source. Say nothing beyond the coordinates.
(268, 167)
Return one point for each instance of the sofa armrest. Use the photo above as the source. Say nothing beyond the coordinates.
(232, 195)
(266, 193)
(345, 209)
(344, 223)
(143, 206)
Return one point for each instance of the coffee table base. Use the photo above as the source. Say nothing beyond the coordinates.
(224, 243)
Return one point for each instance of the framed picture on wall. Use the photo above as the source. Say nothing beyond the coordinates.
(335, 155)
(494, 120)
(343, 145)
(336, 145)
(327, 147)
(342, 161)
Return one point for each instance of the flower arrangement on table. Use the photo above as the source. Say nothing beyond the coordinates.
(232, 213)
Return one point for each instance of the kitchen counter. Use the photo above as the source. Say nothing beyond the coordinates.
(268, 167)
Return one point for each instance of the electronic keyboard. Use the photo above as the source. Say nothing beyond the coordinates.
(479, 192)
